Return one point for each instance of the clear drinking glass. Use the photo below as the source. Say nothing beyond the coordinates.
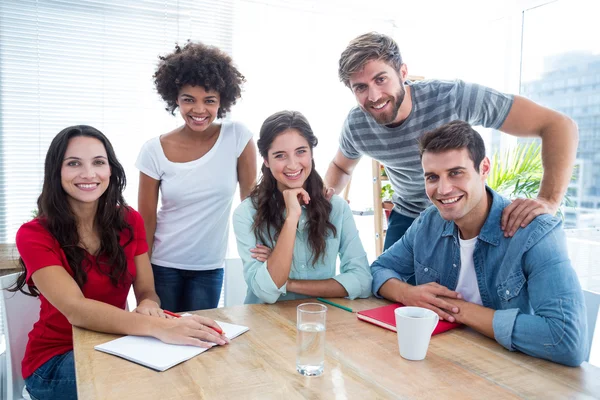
(310, 338)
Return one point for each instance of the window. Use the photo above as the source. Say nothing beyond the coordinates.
(86, 62)
(568, 52)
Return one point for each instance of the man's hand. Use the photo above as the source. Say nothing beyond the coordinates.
(473, 315)
(522, 211)
(431, 296)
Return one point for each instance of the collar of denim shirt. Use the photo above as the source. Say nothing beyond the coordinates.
(490, 231)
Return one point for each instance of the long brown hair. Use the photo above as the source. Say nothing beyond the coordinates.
(56, 215)
(268, 200)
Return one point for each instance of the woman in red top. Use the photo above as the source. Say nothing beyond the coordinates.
(80, 256)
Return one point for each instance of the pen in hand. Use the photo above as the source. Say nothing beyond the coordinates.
(172, 314)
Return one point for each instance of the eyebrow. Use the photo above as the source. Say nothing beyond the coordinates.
(78, 158)
(379, 74)
(459, 168)
(212, 96)
(375, 77)
(283, 151)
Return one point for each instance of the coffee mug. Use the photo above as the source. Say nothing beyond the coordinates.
(415, 326)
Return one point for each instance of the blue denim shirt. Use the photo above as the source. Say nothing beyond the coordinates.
(527, 279)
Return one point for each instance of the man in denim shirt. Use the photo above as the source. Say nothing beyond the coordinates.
(456, 261)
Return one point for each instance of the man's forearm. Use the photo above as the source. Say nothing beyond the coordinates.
(474, 316)
(393, 290)
(559, 149)
(336, 178)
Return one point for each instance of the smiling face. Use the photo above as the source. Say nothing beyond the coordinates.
(289, 159)
(454, 186)
(85, 171)
(198, 107)
(379, 91)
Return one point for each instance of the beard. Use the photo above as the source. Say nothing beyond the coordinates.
(388, 118)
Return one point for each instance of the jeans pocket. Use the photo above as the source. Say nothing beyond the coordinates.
(55, 379)
(60, 367)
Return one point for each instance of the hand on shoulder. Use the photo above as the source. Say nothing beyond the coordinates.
(521, 212)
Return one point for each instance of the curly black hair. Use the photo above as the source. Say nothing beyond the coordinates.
(198, 64)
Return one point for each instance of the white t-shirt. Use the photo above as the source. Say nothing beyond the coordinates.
(467, 279)
(192, 224)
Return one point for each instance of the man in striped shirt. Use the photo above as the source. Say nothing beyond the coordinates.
(393, 113)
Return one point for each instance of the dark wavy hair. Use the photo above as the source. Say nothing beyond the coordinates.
(56, 215)
(268, 200)
(198, 64)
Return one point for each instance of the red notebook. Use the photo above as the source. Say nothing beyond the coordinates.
(384, 317)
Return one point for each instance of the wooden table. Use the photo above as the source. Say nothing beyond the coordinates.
(361, 362)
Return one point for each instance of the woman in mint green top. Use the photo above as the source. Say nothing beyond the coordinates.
(288, 213)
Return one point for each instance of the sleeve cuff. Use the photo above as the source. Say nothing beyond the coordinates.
(352, 285)
(264, 287)
(382, 276)
(503, 325)
(147, 171)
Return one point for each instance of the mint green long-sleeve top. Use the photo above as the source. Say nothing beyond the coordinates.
(354, 275)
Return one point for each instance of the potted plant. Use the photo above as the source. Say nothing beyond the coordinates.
(386, 196)
(382, 171)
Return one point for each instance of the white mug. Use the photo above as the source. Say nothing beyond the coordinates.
(415, 326)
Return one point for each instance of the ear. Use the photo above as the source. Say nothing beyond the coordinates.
(403, 72)
(266, 163)
(485, 167)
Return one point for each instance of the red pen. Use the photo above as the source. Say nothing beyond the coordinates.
(172, 314)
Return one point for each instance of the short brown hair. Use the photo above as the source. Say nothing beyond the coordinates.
(454, 135)
(367, 47)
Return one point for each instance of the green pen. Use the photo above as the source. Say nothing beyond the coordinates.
(335, 304)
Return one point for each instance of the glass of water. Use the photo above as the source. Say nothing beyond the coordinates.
(310, 338)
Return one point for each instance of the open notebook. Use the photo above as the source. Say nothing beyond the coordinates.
(153, 353)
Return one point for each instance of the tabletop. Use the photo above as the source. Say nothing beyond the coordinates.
(361, 362)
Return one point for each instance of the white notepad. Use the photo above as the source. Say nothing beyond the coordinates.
(153, 353)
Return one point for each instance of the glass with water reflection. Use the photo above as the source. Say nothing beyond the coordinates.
(310, 338)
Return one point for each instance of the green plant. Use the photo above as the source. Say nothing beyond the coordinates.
(518, 171)
(382, 172)
(386, 192)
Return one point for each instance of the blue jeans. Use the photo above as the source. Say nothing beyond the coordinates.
(397, 226)
(54, 380)
(183, 290)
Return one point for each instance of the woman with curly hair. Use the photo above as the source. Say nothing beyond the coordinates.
(288, 212)
(81, 255)
(196, 167)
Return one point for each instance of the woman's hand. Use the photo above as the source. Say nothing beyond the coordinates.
(294, 199)
(193, 330)
(260, 252)
(151, 308)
